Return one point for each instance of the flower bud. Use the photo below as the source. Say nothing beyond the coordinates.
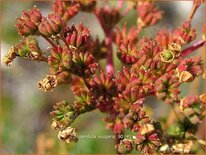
(68, 135)
(127, 53)
(65, 9)
(124, 147)
(27, 24)
(122, 35)
(83, 64)
(164, 38)
(63, 115)
(77, 37)
(147, 143)
(51, 26)
(167, 88)
(186, 33)
(60, 59)
(35, 15)
(148, 14)
(123, 78)
(108, 17)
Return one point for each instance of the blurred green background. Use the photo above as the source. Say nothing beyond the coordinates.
(25, 110)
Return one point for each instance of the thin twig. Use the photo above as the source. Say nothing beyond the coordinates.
(50, 41)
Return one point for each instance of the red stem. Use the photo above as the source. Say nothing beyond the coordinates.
(192, 48)
(110, 64)
(108, 42)
(50, 41)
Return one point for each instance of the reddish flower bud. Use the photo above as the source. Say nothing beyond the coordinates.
(51, 26)
(77, 37)
(66, 9)
(35, 15)
(103, 85)
(148, 14)
(167, 88)
(186, 33)
(108, 17)
(164, 37)
(27, 24)
(127, 53)
(123, 78)
(84, 101)
(147, 143)
(83, 64)
(122, 35)
(60, 59)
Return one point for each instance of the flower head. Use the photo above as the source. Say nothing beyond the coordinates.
(27, 24)
(125, 146)
(167, 88)
(108, 17)
(48, 83)
(148, 14)
(77, 37)
(192, 108)
(83, 64)
(127, 52)
(68, 135)
(122, 36)
(51, 26)
(186, 33)
(147, 143)
(189, 68)
(63, 115)
(65, 9)
(60, 59)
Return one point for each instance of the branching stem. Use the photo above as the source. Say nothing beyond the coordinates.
(192, 48)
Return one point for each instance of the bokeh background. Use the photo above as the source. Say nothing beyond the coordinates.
(25, 110)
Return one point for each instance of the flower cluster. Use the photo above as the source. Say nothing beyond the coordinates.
(150, 67)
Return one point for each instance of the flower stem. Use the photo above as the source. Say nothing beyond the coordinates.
(49, 41)
(194, 9)
(110, 63)
(192, 48)
(108, 42)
